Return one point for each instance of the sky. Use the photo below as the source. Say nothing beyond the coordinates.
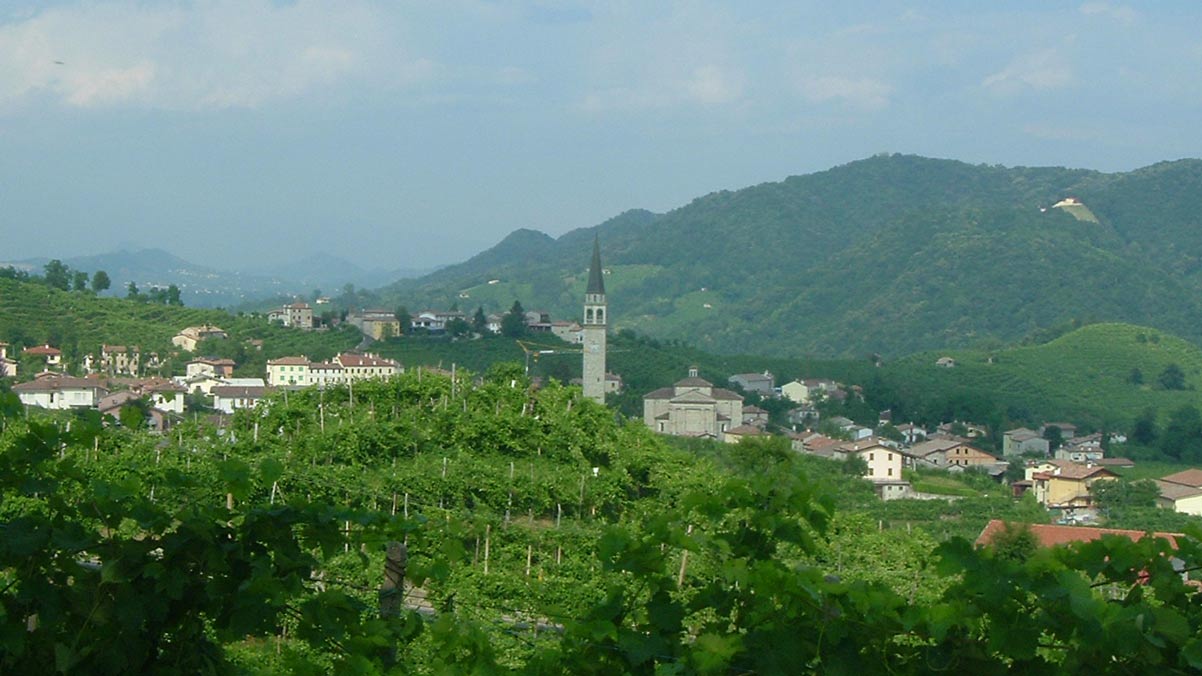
(244, 133)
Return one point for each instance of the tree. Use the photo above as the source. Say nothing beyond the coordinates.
(173, 296)
(513, 324)
(1136, 377)
(1182, 436)
(1172, 378)
(403, 317)
(1054, 435)
(58, 275)
(101, 281)
(1014, 542)
(1120, 494)
(458, 326)
(79, 281)
(131, 292)
(1144, 430)
(480, 321)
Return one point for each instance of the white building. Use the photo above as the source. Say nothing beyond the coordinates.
(60, 392)
(348, 366)
(229, 398)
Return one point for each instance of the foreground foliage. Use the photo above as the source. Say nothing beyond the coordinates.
(547, 538)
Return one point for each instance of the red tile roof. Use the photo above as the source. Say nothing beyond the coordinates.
(45, 350)
(352, 360)
(1050, 536)
(1189, 477)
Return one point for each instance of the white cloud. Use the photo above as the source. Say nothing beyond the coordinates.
(1119, 13)
(711, 84)
(195, 56)
(861, 92)
(1039, 71)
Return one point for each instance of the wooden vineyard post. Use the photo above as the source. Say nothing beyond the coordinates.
(487, 534)
(684, 561)
(529, 558)
(396, 558)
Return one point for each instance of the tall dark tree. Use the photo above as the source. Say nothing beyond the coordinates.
(58, 275)
(173, 295)
(1182, 436)
(79, 281)
(1054, 436)
(479, 321)
(513, 324)
(404, 319)
(101, 281)
(131, 291)
(1144, 430)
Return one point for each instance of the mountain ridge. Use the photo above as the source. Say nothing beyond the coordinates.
(728, 268)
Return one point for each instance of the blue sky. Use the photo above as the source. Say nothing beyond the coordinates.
(403, 134)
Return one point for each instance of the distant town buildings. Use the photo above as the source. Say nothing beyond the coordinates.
(376, 324)
(293, 315)
(343, 369)
(188, 339)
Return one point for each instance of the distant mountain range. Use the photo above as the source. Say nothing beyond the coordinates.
(205, 286)
(891, 254)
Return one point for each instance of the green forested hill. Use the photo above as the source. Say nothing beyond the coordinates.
(1085, 376)
(891, 254)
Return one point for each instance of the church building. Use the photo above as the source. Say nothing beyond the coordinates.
(693, 407)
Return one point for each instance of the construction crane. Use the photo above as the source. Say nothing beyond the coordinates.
(536, 350)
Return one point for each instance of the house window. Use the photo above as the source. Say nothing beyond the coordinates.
(890, 471)
(871, 456)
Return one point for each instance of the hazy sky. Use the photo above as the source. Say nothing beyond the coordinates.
(410, 134)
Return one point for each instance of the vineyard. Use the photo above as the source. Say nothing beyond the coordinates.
(542, 536)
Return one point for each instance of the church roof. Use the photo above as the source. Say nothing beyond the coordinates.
(693, 397)
(694, 382)
(595, 283)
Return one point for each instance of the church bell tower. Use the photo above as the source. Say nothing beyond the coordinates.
(594, 330)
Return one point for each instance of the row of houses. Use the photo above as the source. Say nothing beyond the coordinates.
(344, 368)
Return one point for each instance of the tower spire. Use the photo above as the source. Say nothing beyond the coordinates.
(596, 283)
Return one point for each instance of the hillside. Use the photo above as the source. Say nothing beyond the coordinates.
(891, 254)
(78, 323)
(1083, 376)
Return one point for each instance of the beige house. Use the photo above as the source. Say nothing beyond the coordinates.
(1182, 492)
(212, 366)
(945, 453)
(884, 462)
(376, 324)
(804, 391)
(188, 338)
(693, 407)
(740, 432)
(1068, 485)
